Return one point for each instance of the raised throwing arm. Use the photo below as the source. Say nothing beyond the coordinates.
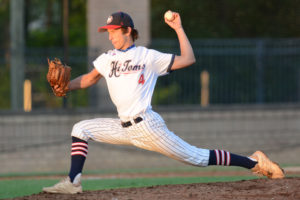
(186, 57)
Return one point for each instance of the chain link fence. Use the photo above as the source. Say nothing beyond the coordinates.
(241, 71)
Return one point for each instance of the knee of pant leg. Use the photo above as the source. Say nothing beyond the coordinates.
(79, 131)
(200, 158)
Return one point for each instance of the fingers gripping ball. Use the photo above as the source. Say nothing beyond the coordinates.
(169, 15)
(58, 77)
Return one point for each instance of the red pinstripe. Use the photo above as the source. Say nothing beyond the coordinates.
(79, 143)
(217, 156)
(78, 153)
(79, 148)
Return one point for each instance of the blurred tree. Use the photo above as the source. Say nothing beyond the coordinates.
(4, 24)
(45, 22)
(201, 19)
(77, 23)
(230, 18)
(4, 55)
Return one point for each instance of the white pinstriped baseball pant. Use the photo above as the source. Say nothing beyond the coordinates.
(150, 134)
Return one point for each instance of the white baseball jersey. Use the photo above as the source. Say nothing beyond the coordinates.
(131, 77)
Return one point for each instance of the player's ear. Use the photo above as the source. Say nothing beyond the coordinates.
(129, 30)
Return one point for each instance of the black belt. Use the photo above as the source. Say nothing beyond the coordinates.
(127, 124)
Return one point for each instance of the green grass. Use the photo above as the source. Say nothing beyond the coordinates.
(128, 171)
(18, 188)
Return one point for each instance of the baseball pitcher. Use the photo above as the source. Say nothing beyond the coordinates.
(131, 73)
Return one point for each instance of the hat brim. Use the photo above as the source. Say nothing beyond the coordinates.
(104, 28)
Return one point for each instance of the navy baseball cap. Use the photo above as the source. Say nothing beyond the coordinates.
(117, 20)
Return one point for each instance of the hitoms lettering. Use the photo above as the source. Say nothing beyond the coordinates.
(118, 68)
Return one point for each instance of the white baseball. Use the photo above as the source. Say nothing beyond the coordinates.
(169, 15)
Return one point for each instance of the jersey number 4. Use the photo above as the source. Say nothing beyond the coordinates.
(142, 79)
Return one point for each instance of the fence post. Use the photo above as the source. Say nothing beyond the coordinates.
(27, 96)
(66, 39)
(17, 59)
(204, 88)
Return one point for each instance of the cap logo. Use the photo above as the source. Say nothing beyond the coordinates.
(109, 19)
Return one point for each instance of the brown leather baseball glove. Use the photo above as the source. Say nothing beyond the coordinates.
(58, 76)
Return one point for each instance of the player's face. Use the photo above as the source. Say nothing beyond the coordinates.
(119, 39)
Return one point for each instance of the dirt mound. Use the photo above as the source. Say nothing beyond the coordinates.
(287, 188)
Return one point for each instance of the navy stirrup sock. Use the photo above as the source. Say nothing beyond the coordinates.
(221, 157)
(78, 155)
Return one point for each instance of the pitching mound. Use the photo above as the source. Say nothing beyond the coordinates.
(287, 188)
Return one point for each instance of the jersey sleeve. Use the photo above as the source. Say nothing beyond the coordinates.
(100, 63)
(162, 62)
